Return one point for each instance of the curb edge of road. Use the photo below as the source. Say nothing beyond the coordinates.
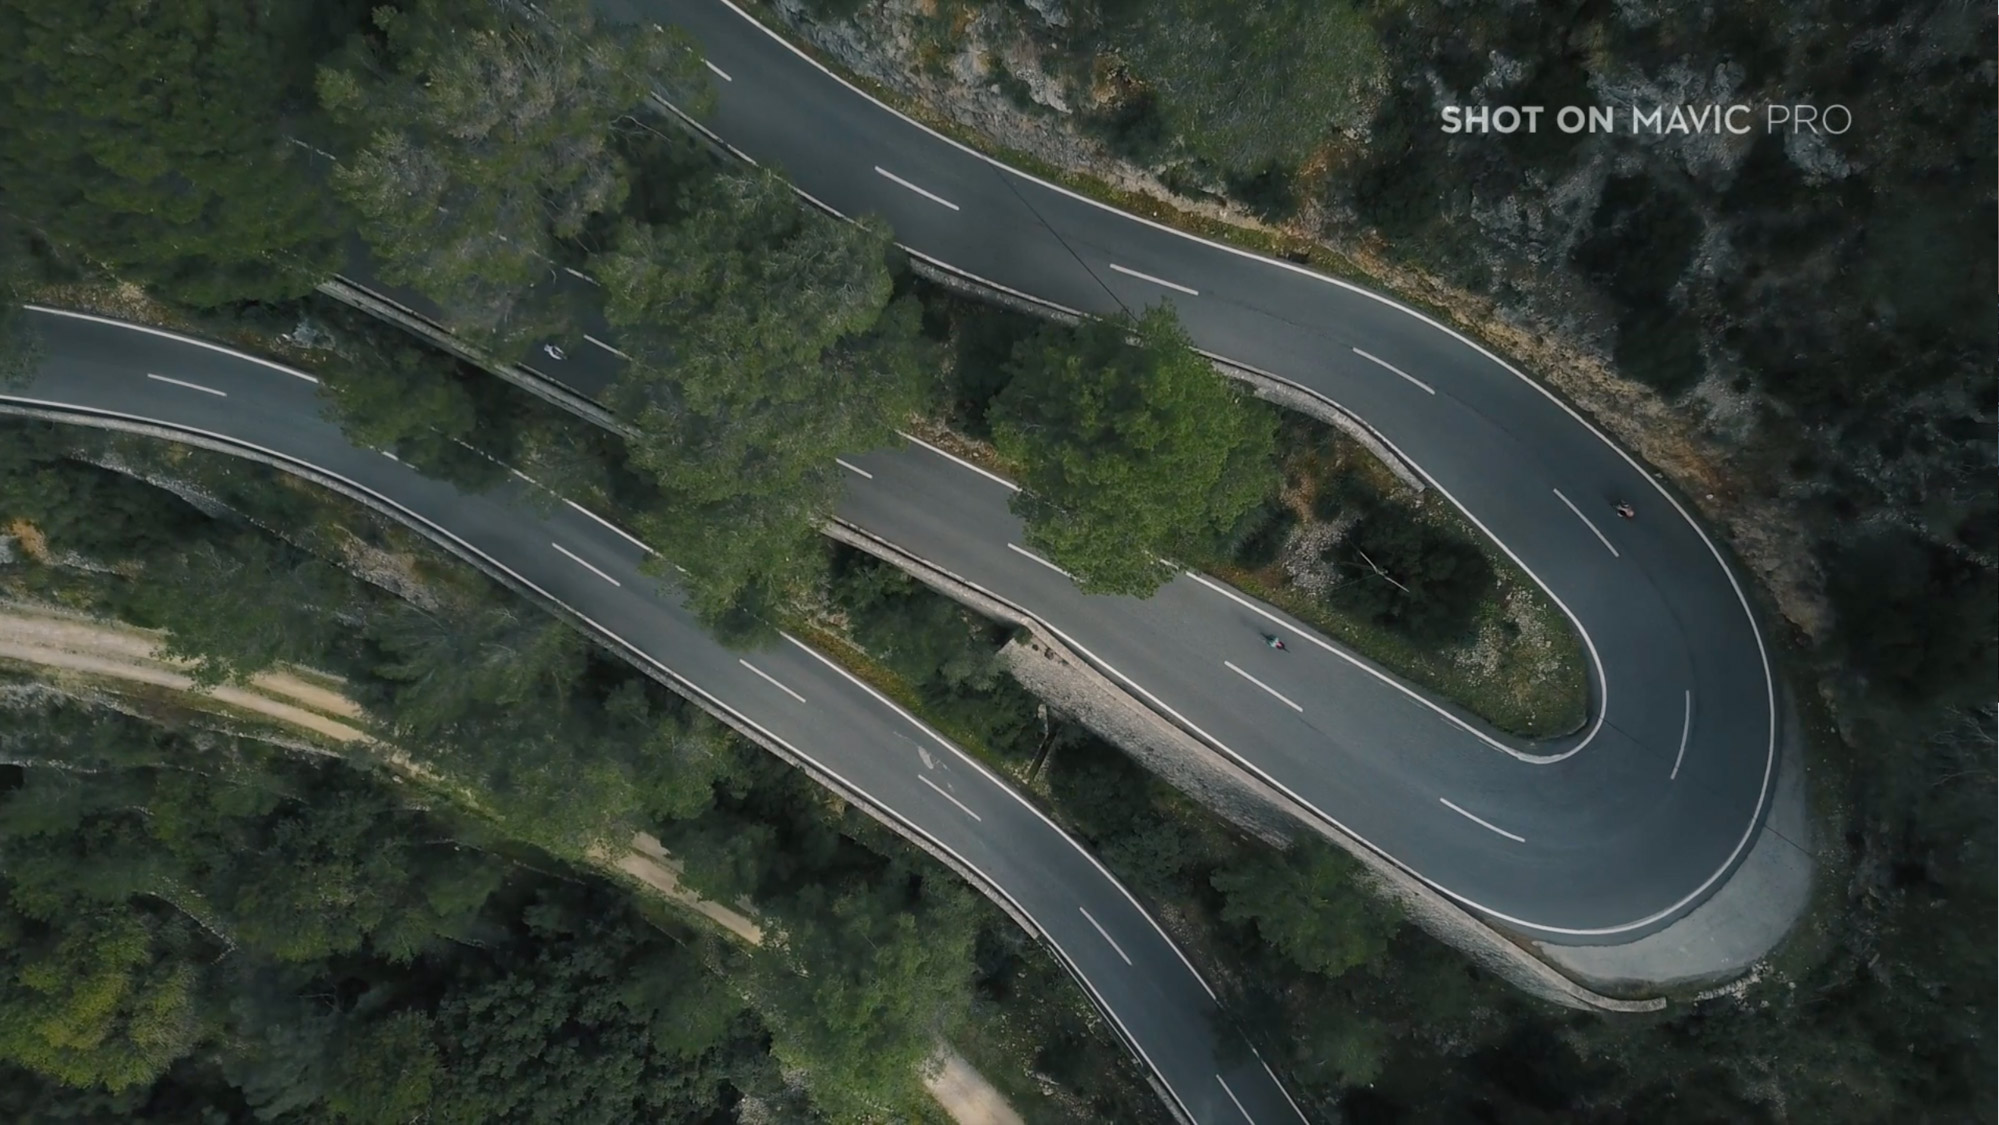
(357, 296)
(825, 779)
(1436, 914)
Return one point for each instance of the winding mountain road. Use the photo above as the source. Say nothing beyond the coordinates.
(100, 372)
(1599, 838)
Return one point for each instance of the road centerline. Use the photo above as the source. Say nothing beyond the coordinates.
(188, 385)
(615, 529)
(941, 793)
(586, 566)
(852, 468)
(1106, 935)
(1601, 538)
(1384, 363)
(933, 197)
(719, 72)
(1173, 285)
(1230, 665)
(770, 679)
(1482, 822)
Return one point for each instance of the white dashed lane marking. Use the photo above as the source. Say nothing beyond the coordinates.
(586, 566)
(1482, 822)
(189, 386)
(1175, 286)
(891, 177)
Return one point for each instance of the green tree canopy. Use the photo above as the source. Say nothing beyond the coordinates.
(1307, 904)
(482, 136)
(151, 139)
(20, 343)
(1130, 448)
(862, 984)
(238, 609)
(95, 997)
(766, 344)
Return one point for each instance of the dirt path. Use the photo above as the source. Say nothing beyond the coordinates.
(966, 1095)
(46, 637)
(53, 638)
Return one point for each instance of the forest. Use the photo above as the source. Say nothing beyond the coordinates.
(1832, 339)
(200, 908)
(337, 973)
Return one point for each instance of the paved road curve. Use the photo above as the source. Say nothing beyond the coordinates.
(101, 371)
(1597, 838)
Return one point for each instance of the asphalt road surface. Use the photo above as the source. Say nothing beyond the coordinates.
(1598, 838)
(99, 371)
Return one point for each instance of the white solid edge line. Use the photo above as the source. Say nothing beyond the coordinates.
(1686, 728)
(525, 477)
(878, 697)
(771, 679)
(1106, 935)
(931, 196)
(1236, 1100)
(855, 469)
(586, 566)
(941, 793)
(1384, 363)
(1741, 597)
(1024, 552)
(581, 276)
(390, 456)
(959, 753)
(1075, 970)
(1482, 822)
(1280, 1086)
(1156, 280)
(704, 130)
(614, 528)
(175, 336)
(719, 72)
(606, 347)
(1230, 665)
(188, 385)
(995, 478)
(1586, 523)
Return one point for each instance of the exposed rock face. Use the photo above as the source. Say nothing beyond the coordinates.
(1681, 286)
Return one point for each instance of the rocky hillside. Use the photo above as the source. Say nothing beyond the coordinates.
(1797, 326)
